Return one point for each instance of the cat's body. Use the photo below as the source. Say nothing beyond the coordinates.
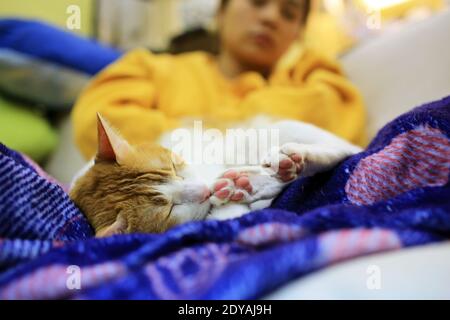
(114, 194)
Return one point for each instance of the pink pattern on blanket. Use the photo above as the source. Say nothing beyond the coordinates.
(414, 159)
(44, 174)
(207, 264)
(55, 281)
(348, 243)
(270, 233)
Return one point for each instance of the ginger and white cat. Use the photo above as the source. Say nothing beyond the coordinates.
(149, 188)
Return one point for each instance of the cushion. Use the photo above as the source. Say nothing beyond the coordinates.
(26, 130)
(38, 81)
(402, 68)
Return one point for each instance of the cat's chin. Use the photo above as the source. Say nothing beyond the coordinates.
(191, 211)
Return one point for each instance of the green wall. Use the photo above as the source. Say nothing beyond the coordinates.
(52, 11)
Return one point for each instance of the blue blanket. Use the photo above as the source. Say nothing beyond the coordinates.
(60, 47)
(395, 194)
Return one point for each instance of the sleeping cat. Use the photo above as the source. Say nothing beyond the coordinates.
(149, 189)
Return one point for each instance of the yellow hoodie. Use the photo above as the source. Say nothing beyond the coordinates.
(144, 95)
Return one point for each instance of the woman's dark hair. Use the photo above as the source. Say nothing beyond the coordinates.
(306, 8)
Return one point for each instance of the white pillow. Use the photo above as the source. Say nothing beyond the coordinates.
(413, 273)
(403, 69)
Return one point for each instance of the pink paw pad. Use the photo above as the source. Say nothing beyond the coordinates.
(290, 167)
(232, 185)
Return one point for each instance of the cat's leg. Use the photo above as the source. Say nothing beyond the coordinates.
(282, 166)
(246, 185)
(293, 160)
(230, 211)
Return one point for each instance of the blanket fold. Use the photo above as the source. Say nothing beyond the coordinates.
(395, 194)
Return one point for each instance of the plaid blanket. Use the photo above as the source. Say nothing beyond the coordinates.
(395, 194)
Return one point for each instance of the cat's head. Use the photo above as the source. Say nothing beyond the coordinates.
(142, 188)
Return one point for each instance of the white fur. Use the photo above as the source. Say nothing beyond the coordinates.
(320, 151)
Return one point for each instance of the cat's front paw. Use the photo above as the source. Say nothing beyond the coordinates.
(233, 185)
(287, 162)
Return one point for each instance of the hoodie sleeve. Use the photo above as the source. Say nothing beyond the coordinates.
(125, 94)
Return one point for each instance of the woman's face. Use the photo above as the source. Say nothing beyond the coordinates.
(258, 32)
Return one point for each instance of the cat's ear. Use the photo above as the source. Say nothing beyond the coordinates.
(111, 146)
(118, 227)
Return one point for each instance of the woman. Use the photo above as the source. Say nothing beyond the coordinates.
(145, 94)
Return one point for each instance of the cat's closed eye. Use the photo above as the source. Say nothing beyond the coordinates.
(144, 188)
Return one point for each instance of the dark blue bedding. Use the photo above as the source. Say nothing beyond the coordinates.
(395, 194)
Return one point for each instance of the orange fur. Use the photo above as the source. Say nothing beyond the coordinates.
(117, 194)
